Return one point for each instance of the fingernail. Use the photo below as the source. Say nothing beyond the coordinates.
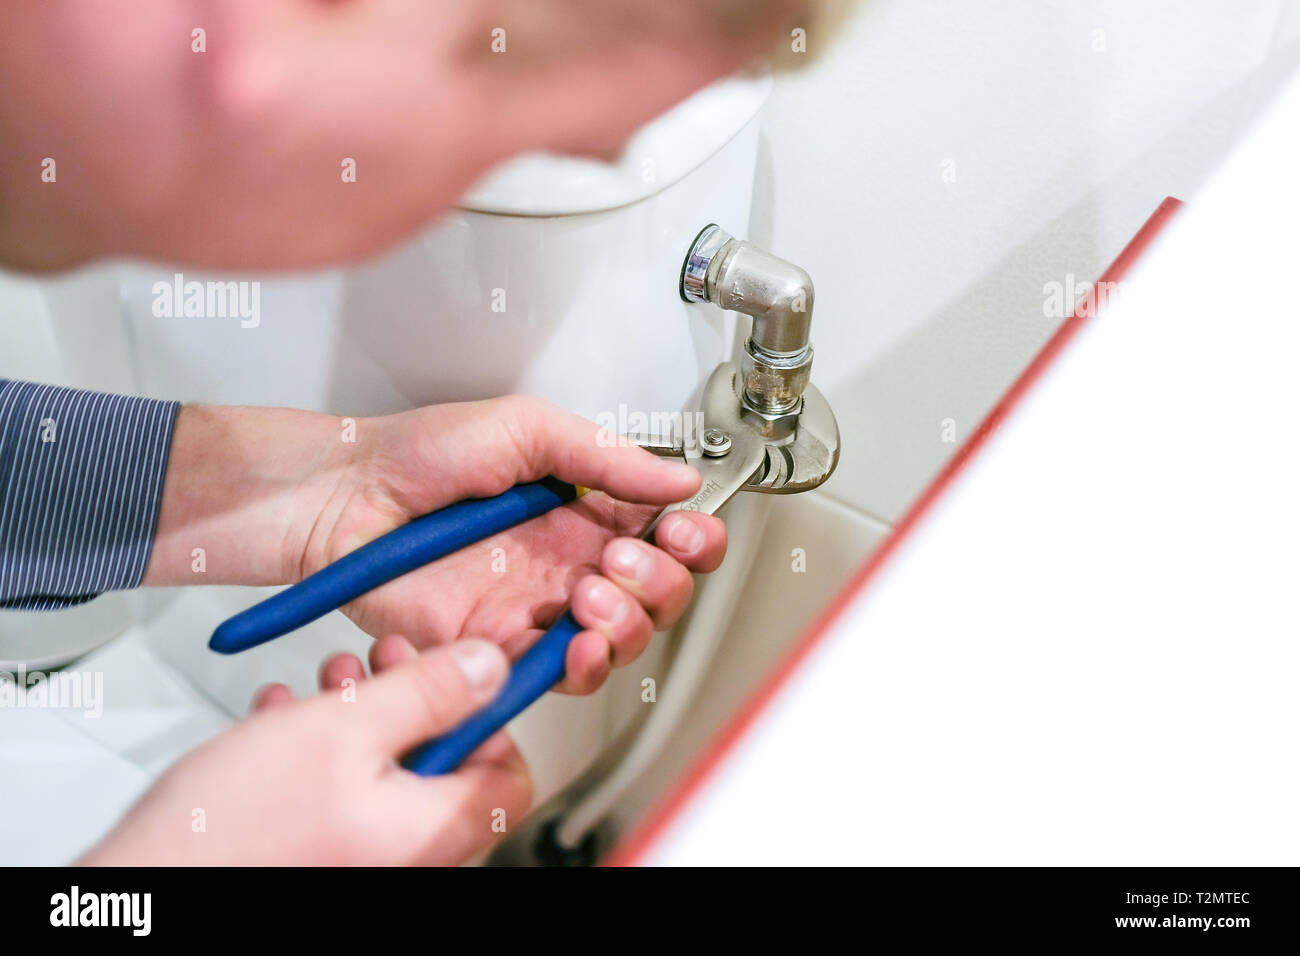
(684, 537)
(630, 561)
(479, 662)
(607, 602)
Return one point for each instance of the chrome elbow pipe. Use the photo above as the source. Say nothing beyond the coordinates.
(777, 295)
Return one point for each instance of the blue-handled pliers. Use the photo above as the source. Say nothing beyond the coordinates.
(742, 461)
(402, 550)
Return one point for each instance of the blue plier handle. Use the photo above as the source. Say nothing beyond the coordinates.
(403, 550)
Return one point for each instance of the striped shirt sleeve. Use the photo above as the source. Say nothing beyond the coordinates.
(81, 481)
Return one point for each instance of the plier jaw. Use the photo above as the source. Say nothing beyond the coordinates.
(739, 448)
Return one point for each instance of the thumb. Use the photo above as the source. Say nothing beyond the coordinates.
(505, 441)
(429, 694)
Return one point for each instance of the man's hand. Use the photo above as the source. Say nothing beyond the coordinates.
(272, 496)
(314, 782)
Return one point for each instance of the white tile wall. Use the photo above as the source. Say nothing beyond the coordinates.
(929, 293)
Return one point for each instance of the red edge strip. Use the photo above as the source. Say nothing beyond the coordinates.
(638, 843)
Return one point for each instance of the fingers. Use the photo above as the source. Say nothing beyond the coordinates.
(428, 694)
(586, 663)
(333, 672)
(340, 668)
(391, 651)
(697, 541)
(655, 579)
(643, 589)
(272, 695)
(532, 439)
(601, 605)
(578, 451)
(464, 812)
(384, 653)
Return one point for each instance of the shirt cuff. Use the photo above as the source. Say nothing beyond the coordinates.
(81, 482)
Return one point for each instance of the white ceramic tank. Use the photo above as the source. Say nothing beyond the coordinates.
(557, 277)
